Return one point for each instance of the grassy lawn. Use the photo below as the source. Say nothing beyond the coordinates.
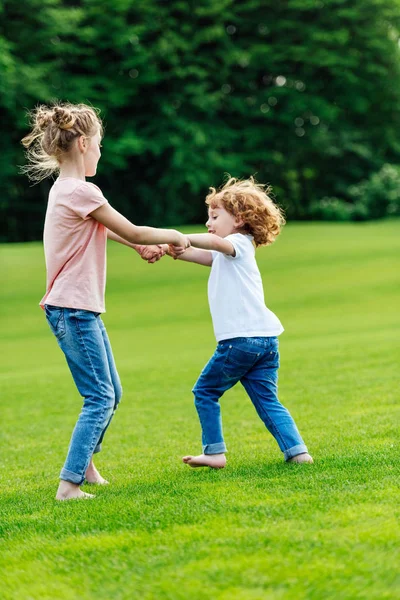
(258, 530)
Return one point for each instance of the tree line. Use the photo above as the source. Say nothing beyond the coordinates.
(302, 94)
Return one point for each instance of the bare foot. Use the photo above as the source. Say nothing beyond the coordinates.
(215, 461)
(71, 491)
(92, 475)
(302, 458)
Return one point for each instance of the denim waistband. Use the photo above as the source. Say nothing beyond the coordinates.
(257, 341)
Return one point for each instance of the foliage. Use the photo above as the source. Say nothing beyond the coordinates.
(372, 198)
(380, 194)
(331, 209)
(304, 94)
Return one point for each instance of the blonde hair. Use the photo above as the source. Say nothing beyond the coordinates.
(249, 201)
(54, 130)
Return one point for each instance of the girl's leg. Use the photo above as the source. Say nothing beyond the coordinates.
(81, 340)
(261, 384)
(92, 475)
(210, 386)
(116, 382)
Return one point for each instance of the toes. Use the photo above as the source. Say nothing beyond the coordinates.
(98, 482)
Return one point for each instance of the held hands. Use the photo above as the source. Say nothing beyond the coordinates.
(152, 253)
(175, 251)
(182, 240)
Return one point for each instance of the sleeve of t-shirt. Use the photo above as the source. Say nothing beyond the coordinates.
(86, 198)
(241, 243)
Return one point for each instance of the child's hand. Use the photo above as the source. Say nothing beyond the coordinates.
(152, 253)
(175, 251)
(182, 240)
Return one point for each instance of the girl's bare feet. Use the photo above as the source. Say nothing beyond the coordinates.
(215, 461)
(70, 491)
(302, 458)
(93, 476)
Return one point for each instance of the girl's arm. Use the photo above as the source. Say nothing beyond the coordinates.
(116, 238)
(200, 257)
(118, 224)
(149, 253)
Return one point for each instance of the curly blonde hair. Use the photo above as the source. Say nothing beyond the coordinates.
(54, 130)
(250, 202)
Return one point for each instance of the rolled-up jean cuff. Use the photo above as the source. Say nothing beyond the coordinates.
(294, 451)
(214, 448)
(71, 477)
(97, 449)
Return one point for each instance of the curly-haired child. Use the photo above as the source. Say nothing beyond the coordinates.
(241, 216)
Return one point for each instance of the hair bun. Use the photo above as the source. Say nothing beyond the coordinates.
(43, 118)
(63, 117)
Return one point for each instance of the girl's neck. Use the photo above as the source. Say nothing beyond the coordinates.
(71, 168)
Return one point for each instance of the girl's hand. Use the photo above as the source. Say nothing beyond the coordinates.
(182, 240)
(175, 251)
(152, 253)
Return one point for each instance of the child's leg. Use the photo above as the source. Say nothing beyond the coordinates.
(81, 340)
(210, 386)
(116, 382)
(261, 385)
(92, 475)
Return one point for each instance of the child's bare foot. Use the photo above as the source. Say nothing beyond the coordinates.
(302, 458)
(215, 461)
(70, 491)
(93, 476)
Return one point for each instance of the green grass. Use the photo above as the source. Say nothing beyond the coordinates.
(258, 530)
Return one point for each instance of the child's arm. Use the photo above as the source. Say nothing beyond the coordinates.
(200, 257)
(210, 241)
(149, 253)
(201, 244)
(134, 234)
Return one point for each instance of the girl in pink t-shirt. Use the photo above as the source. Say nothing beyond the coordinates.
(66, 138)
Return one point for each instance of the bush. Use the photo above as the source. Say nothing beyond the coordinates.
(373, 198)
(378, 196)
(331, 209)
(359, 212)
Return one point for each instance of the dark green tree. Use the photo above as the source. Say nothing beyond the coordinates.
(304, 94)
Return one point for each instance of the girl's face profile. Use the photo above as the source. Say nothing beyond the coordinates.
(92, 154)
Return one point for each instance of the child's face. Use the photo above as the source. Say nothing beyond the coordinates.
(220, 222)
(92, 155)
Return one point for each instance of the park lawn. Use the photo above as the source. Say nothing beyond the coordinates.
(259, 529)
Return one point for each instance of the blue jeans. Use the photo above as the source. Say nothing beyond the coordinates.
(83, 338)
(253, 361)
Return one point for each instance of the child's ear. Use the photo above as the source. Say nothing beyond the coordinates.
(82, 144)
(239, 223)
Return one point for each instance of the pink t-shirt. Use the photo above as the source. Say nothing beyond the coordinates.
(75, 246)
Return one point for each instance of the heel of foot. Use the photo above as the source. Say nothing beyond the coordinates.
(303, 458)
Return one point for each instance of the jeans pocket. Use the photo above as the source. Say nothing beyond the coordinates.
(238, 362)
(272, 353)
(56, 320)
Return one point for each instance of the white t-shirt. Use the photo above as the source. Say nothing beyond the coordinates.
(236, 295)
